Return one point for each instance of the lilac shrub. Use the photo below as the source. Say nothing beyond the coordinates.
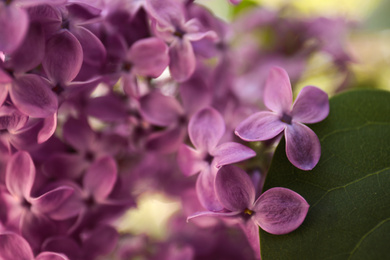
(104, 101)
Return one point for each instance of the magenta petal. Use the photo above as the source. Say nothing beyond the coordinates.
(260, 126)
(3, 89)
(64, 166)
(166, 141)
(151, 111)
(115, 110)
(206, 191)
(206, 128)
(231, 152)
(277, 91)
(51, 256)
(101, 241)
(167, 13)
(11, 119)
(64, 56)
(13, 27)
(14, 247)
(221, 214)
(20, 174)
(280, 211)
(48, 129)
(78, 133)
(189, 160)
(94, 52)
(234, 188)
(63, 245)
(302, 146)
(149, 57)
(100, 178)
(182, 59)
(251, 231)
(32, 95)
(195, 94)
(311, 105)
(51, 200)
(31, 52)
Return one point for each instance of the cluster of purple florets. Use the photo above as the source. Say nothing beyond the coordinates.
(103, 101)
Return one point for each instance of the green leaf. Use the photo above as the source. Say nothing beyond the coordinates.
(348, 191)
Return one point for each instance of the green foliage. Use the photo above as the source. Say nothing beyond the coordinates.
(348, 191)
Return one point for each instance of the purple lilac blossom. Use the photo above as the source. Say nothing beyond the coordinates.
(205, 129)
(277, 211)
(311, 106)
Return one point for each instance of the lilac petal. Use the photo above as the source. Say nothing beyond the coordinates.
(280, 211)
(115, 110)
(206, 128)
(31, 52)
(303, 148)
(20, 174)
(231, 152)
(64, 57)
(166, 141)
(13, 246)
(77, 133)
(131, 86)
(64, 166)
(29, 3)
(71, 207)
(35, 228)
(149, 57)
(167, 13)
(100, 178)
(32, 95)
(195, 94)
(51, 200)
(94, 52)
(101, 241)
(197, 36)
(3, 92)
(63, 245)
(51, 256)
(189, 160)
(277, 91)
(260, 126)
(11, 119)
(13, 27)
(182, 59)
(206, 191)
(150, 108)
(5, 77)
(251, 231)
(311, 105)
(221, 214)
(48, 129)
(234, 188)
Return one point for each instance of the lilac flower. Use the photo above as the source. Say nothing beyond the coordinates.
(15, 247)
(171, 25)
(146, 57)
(277, 211)
(206, 129)
(311, 106)
(31, 214)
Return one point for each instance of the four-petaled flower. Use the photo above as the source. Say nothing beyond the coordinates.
(311, 106)
(277, 211)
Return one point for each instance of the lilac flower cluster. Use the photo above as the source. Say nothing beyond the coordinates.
(88, 124)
